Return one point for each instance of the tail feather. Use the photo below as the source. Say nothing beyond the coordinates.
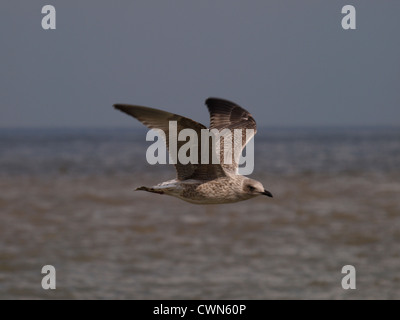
(152, 190)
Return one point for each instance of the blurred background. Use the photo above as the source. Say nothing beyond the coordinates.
(326, 102)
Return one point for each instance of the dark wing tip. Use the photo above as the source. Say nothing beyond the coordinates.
(119, 106)
(233, 113)
(124, 108)
(212, 100)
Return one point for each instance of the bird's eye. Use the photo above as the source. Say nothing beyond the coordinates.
(251, 188)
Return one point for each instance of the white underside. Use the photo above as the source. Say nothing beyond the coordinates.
(175, 187)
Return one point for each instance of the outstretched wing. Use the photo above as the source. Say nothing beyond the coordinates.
(225, 114)
(160, 120)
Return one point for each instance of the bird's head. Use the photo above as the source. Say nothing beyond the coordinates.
(255, 188)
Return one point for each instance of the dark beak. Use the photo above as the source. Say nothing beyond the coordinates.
(267, 193)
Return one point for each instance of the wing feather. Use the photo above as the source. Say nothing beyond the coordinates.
(225, 114)
(159, 120)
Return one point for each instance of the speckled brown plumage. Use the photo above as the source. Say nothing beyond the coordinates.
(204, 183)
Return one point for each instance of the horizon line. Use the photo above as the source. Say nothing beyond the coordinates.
(264, 127)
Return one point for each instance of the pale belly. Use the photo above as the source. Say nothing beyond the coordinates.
(212, 192)
(211, 201)
(200, 192)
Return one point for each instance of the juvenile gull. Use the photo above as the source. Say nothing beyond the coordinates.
(203, 183)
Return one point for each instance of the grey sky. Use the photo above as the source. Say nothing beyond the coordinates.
(288, 62)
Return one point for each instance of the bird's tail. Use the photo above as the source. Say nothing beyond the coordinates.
(152, 190)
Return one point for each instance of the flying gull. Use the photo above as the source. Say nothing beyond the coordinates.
(196, 182)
